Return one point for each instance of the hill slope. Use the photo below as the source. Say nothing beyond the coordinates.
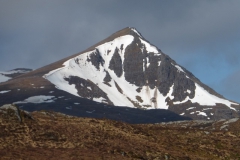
(51, 135)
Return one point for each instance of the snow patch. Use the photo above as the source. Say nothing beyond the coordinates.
(170, 92)
(1, 92)
(188, 91)
(179, 68)
(149, 47)
(190, 108)
(201, 113)
(204, 98)
(4, 78)
(134, 30)
(143, 65)
(90, 111)
(101, 100)
(206, 109)
(38, 99)
(148, 63)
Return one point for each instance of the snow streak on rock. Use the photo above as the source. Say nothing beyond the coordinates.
(5, 91)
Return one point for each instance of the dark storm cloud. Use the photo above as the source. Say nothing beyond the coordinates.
(203, 35)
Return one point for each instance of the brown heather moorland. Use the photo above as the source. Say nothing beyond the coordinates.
(54, 136)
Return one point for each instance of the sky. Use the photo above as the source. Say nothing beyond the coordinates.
(203, 36)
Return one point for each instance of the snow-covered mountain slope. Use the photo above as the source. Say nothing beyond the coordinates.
(121, 70)
(5, 76)
(129, 71)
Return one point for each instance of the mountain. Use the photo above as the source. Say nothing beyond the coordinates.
(5, 76)
(51, 135)
(122, 70)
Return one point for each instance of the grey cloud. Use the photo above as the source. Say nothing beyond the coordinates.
(194, 33)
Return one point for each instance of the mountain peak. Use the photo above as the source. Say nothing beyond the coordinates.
(128, 71)
(125, 70)
(135, 31)
(127, 31)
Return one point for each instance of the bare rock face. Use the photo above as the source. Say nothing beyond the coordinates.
(126, 70)
(133, 64)
(88, 89)
(96, 59)
(169, 75)
(116, 63)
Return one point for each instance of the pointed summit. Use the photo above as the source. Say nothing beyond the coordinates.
(129, 71)
(127, 31)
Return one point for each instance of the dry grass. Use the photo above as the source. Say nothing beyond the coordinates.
(52, 135)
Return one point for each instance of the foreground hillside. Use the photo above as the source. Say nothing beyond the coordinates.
(51, 135)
